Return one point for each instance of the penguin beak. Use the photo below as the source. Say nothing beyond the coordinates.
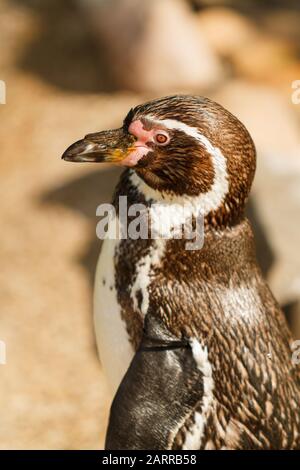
(106, 146)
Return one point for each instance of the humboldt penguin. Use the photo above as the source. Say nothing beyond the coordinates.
(193, 341)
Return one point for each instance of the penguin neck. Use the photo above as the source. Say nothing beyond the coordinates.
(228, 247)
(218, 212)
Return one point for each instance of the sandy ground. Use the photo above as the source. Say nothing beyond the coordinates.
(52, 390)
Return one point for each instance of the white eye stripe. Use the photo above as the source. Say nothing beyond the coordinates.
(173, 124)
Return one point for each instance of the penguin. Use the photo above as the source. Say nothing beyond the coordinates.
(197, 349)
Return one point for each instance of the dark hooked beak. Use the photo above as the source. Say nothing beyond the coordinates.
(106, 146)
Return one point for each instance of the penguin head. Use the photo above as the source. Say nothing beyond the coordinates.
(180, 145)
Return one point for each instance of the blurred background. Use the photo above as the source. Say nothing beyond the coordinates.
(76, 66)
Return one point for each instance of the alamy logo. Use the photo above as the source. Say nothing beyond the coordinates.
(296, 93)
(157, 221)
(2, 353)
(2, 92)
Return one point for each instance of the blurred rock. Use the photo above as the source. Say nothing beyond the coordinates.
(152, 46)
(253, 50)
(283, 22)
(226, 30)
(264, 58)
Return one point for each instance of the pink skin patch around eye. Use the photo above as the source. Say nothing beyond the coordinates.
(140, 146)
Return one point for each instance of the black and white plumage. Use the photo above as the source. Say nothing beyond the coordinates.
(195, 339)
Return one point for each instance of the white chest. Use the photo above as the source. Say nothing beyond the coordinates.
(115, 350)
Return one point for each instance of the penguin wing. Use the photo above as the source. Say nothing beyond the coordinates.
(158, 394)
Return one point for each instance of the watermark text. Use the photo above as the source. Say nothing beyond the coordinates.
(155, 221)
(2, 353)
(296, 92)
(2, 92)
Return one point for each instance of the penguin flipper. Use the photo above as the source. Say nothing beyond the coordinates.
(157, 395)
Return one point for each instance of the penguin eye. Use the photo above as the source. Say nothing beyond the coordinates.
(161, 138)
